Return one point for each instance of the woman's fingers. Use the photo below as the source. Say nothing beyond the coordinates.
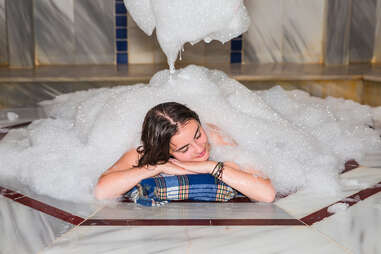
(203, 167)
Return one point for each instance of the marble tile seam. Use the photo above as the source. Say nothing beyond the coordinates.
(40, 206)
(350, 200)
(71, 230)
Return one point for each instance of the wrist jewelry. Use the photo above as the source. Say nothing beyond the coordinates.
(218, 170)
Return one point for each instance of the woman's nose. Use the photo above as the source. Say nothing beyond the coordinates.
(198, 148)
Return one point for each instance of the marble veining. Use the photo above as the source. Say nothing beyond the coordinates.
(20, 33)
(3, 33)
(263, 41)
(193, 211)
(193, 239)
(377, 43)
(358, 228)
(302, 31)
(54, 31)
(26, 230)
(363, 25)
(337, 31)
(94, 32)
(351, 182)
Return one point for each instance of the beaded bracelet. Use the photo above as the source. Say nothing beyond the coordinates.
(218, 170)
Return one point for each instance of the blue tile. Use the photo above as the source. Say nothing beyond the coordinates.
(120, 8)
(122, 58)
(236, 57)
(121, 45)
(121, 20)
(121, 33)
(236, 45)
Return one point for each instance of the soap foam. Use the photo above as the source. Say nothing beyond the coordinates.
(179, 22)
(87, 131)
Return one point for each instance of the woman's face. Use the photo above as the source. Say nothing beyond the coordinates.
(190, 143)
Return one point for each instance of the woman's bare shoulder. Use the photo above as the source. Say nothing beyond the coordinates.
(218, 136)
(128, 160)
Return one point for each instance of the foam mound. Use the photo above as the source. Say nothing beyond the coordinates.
(297, 140)
(179, 22)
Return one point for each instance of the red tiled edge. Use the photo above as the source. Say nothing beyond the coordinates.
(194, 222)
(323, 213)
(42, 207)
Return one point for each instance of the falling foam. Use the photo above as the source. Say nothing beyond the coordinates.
(179, 22)
(87, 131)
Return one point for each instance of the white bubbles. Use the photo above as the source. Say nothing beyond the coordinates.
(297, 140)
(338, 208)
(12, 116)
(179, 22)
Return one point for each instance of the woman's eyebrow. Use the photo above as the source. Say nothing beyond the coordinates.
(181, 148)
(195, 134)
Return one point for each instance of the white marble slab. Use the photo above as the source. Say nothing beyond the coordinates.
(94, 32)
(377, 43)
(179, 239)
(303, 31)
(358, 228)
(303, 203)
(193, 211)
(363, 26)
(337, 32)
(24, 115)
(4, 36)
(25, 230)
(263, 41)
(20, 33)
(54, 31)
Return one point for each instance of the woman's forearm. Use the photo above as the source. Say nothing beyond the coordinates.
(113, 184)
(254, 187)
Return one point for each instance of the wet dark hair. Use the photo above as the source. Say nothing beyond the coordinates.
(160, 124)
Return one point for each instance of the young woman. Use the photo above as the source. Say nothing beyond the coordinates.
(175, 143)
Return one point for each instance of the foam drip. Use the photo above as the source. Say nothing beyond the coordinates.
(179, 22)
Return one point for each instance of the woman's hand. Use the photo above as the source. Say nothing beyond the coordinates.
(197, 167)
(170, 168)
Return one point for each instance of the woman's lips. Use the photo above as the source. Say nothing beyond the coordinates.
(202, 154)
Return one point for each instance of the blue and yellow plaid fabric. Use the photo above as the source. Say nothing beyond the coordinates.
(158, 190)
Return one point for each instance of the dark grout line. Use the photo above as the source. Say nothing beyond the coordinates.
(42, 207)
(323, 213)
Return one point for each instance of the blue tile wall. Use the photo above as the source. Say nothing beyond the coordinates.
(121, 32)
(236, 50)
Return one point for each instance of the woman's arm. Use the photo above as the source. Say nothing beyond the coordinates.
(252, 186)
(123, 176)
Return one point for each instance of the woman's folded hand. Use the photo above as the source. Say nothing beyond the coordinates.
(198, 167)
(170, 168)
